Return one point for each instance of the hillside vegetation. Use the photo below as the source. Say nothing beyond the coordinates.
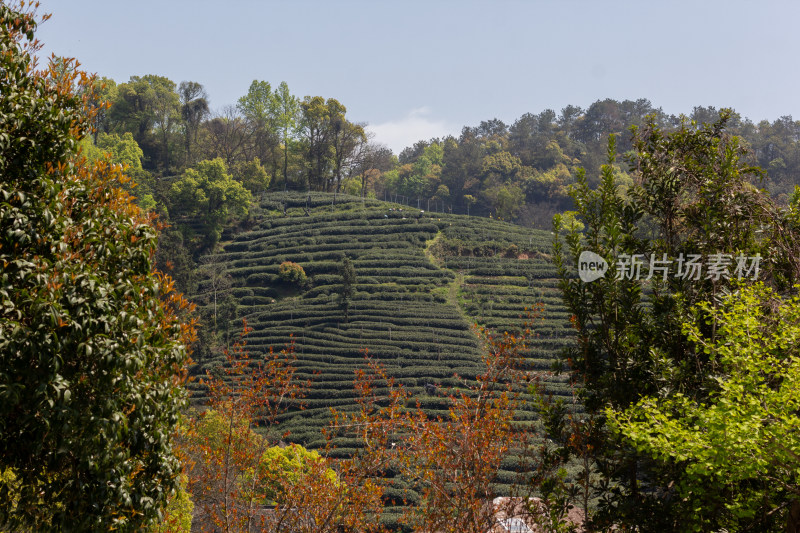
(423, 280)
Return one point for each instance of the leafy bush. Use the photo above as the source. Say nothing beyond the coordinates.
(292, 273)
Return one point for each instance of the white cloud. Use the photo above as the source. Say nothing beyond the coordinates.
(415, 126)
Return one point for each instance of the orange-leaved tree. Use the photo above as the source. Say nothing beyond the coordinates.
(452, 462)
(228, 481)
(242, 480)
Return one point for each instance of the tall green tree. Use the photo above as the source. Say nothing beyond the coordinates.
(92, 344)
(194, 108)
(167, 113)
(316, 139)
(461, 166)
(345, 139)
(149, 107)
(105, 91)
(287, 115)
(257, 107)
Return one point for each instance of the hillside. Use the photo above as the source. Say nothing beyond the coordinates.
(423, 280)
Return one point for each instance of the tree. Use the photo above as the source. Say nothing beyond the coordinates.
(461, 165)
(346, 137)
(747, 431)
(568, 117)
(242, 482)
(292, 273)
(505, 200)
(492, 128)
(194, 108)
(451, 461)
(329, 141)
(105, 90)
(371, 162)
(218, 282)
(167, 111)
(502, 166)
(92, 341)
(146, 104)
(454, 460)
(692, 200)
(227, 136)
(469, 201)
(124, 150)
(287, 114)
(314, 127)
(211, 193)
(257, 108)
(226, 477)
(121, 149)
(252, 175)
(347, 289)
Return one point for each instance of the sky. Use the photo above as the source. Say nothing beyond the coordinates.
(415, 70)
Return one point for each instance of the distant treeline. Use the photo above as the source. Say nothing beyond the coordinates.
(273, 140)
(522, 172)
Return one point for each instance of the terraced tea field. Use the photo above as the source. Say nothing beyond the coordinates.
(422, 282)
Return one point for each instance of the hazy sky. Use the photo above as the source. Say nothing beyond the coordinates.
(413, 70)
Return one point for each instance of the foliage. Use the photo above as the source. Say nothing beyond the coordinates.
(288, 465)
(194, 107)
(292, 273)
(258, 108)
(506, 201)
(286, 109)
(149, 108)
(349, 280)
(252, 175)
(209, 191)
(747, 430)
(452, 460)
(178, 512)
(692, 196)
(92, 341)
(570, 222)
(241, 483)
(572, 435)
(122, 149)
(326, 496)
(227, 483)
(527, 165)
(329, 142)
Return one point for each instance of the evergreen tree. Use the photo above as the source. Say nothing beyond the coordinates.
(92, 341)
